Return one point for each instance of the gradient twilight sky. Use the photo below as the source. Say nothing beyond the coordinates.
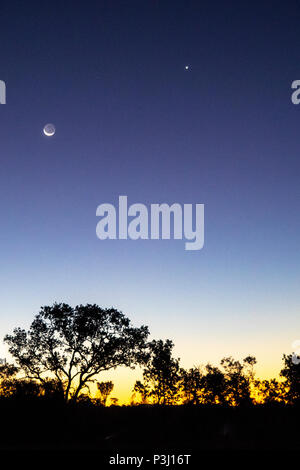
(132, 121)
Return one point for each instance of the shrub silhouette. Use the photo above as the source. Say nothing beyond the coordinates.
(105, 389)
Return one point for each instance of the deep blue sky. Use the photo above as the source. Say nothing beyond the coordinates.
(131, 120)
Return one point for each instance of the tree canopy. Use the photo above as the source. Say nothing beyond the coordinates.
(65, 349)
(73, 345)
(161, 374)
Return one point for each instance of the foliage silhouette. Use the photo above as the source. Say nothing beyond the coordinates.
(105, 389)
(72, 345)
(161, 374)
(192, 385)
(239, 378)
(270, 391)
(221, 407)
(291, 374)
(214, 386)
(66, 348)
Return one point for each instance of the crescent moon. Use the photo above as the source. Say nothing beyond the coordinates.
(49, 130)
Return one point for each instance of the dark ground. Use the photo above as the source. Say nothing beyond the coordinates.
(39, 424)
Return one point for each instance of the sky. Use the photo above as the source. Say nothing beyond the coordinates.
(132, 120)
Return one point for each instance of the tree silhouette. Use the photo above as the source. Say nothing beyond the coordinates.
(8, 374)
(105, 389)
(214, 386)
(72, 345)
(210, 385)
(161, 374)
(239, 378)
(7, 371)
(12, 385)
(20, 388)
(65, 349)
(270, 391)
(291, 374)
(192, 385)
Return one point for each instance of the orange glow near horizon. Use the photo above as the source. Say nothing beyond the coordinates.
(124, 378)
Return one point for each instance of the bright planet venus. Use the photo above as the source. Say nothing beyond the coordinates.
(49, 130)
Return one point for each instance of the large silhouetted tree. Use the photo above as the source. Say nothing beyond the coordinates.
(73, 345)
